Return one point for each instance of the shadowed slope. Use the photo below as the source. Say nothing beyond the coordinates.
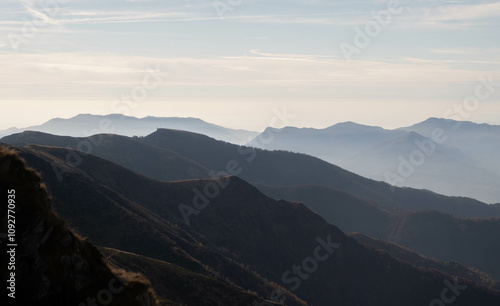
(112, 219)
(256, 166)
(271, 237)
(53, 264)
(452, 268)
(153, 162)
(180, 285)
(471, 241)
(287, 168)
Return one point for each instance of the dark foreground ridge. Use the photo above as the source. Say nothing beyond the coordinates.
(295, 255)
(54, 265)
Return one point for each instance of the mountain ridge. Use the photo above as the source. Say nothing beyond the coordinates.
(88, 124)
(54, 265)
(449, 157)
(252, 217)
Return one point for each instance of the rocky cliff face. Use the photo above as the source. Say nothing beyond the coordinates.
(44, 262)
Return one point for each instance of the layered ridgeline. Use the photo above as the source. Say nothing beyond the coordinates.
(352, 203)
(86, 125)
(470, 241)
(453, 158)
(449, 157)
(167, 155)
(237, 235)
(479, 141)
(109, 219)
(452, 268)
(49, 263)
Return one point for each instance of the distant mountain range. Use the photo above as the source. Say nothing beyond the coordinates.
(239, 248)
(203, 157)
(481, 142)
(347, 200)
(465, 163)
(86, 125)
(471, 241)
(226, 220)
(462, 161)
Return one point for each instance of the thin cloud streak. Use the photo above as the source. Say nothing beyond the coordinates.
(271, 69)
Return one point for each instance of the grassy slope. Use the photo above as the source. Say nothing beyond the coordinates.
(179, 285)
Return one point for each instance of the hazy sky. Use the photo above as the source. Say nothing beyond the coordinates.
(234, 62)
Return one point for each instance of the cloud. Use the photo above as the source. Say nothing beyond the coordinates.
(107, 70)
(442, 61)
(286, 57)
(39, 15)
(465, 12)
(454, 51)
(466, 51)
(450, 15)
(126, 17)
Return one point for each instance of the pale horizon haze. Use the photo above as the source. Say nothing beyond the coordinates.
(235, 63)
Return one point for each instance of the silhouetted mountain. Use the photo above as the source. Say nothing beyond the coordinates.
(85, 125)
(464, 164)
(154, 162)
(438, 235)
(242, 225)
(170, 155)
(181, 286)
(473, 242)
(51, 265)
(349, 212)
(479, 141)
(452, 268)
(287, 168)
(333, 144)
(111, 219)
(422, 163)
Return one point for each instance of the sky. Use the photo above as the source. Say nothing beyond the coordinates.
(238, 62)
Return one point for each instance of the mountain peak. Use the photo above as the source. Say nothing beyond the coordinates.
(450, 122)
(353, 126)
